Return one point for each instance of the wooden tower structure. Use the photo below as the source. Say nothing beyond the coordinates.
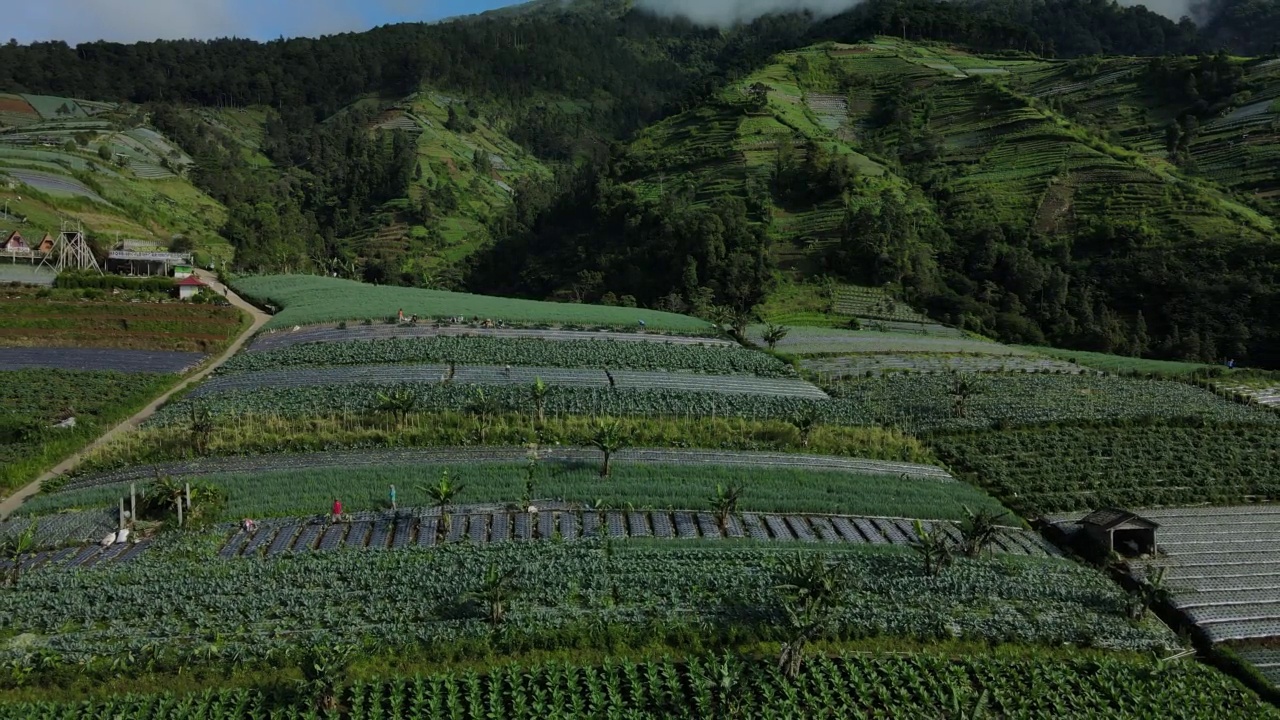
(71, 251)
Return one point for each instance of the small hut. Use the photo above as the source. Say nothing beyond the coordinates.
(189, 286)
(45, 246)
(1121, 531)
(15, 245)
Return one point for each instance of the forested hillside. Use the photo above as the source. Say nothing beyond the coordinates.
(1034, 178)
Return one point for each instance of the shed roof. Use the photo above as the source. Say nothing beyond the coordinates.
(1113, 518)
(191, 281)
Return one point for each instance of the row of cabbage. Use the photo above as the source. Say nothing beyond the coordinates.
(621, 355)
(175, 603)
(559, 401)
(925, 403)
(900, 686)
(445, 456)
(494, 375)
(1046, 470)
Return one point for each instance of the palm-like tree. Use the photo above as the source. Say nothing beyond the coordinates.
(1151, 590)
(979, 530)
(608, 436)
(202, 426)
(324, 668)
(539, 394)
(934, 548)
(399, 403)
(725, 503)
(15, 549)
(810, 594)
(806, 422)
(485, 407)
(495, 593)
(774, 334)
(442, 495)
(963, 387)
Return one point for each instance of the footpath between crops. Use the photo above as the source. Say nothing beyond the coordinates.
(14, 501)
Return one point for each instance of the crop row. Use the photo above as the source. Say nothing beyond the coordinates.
(561, 400)
(303, 491)
(524, 376)
(99, 359)
(1055, 470)
(866, 365)
(717, 360)
(915, 685)
(417, 596)
(280, 339)
(925, 403)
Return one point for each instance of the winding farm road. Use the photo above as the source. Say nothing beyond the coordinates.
(11, 503)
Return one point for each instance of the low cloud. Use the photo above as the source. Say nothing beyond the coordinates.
(729, 12)
(724, 13)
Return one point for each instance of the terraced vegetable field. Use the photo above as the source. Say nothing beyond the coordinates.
(928, 403)
(1040, 471)
(286, 338)
(883, 364)
(482, 525)
(308, 300)
(638, 479)
(623, 591)
(764, 461)
(125, 361)
(324, 379)
(830, 341)
(361, 398)
(1222, 568)
(1019, 688)
(522, 352)
(33, 401)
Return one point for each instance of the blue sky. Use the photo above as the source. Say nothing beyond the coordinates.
(78, 21)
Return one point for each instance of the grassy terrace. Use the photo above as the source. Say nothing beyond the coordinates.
(308, 300)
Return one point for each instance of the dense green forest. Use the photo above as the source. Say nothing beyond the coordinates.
(656, 192)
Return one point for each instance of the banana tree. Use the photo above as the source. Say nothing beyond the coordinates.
(608, 436)
(442, 495)
(810, 594)
(15, 549)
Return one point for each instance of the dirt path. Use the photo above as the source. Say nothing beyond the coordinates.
(260, 318)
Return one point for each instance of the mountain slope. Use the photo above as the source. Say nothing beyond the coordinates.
(103, 165)
(925, 167)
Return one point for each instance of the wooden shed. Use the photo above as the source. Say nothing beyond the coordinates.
(1121, 531)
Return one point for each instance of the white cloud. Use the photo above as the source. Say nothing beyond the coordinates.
(728, 12)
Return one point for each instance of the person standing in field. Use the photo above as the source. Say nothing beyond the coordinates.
(337, 510)
(400, 314)
(393, 497)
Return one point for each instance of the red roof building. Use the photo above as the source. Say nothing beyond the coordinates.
(189, 286)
